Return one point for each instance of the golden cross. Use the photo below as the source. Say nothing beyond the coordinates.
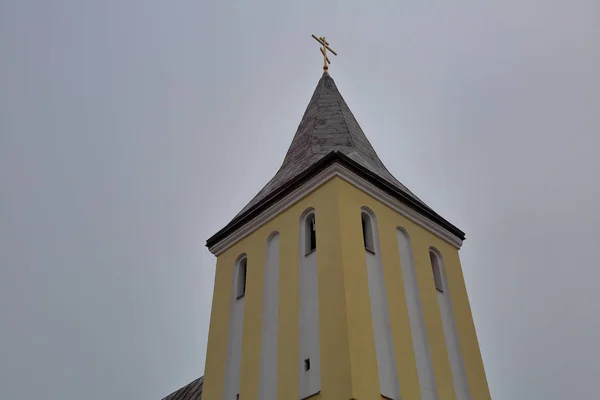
(324, 49)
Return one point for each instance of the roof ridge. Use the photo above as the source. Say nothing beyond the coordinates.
(315, 120)
(337, 98)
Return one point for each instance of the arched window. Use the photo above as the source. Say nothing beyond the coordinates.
(309, 365)
(235, 332)
(310, 231)
(416, 316)
(387, 369)
(241, 278)
(367, 230)
(267, 384)
(440, 278)
(437, 272)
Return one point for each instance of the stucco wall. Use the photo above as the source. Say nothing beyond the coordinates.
(348, 356)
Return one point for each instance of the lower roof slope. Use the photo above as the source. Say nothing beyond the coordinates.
(191, 391)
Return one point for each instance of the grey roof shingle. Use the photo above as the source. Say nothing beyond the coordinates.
(191, 391)
(327, 125)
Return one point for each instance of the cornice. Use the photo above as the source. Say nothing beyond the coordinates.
(329, 172)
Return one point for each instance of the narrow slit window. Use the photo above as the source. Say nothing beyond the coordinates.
(437, 273)
(367, 230)
(307, 364)
(241, 278)
(310, 229)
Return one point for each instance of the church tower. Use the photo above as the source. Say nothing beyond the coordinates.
(337, 282)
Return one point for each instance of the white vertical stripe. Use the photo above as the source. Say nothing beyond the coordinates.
(415, 315)
(310, 381)
(234, 343)
(267, 389)
(459, 377)
(384, 343)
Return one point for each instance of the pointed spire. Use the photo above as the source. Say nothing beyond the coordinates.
(329, 133)
(327, 126)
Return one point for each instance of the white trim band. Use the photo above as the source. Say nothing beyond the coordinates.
(318, 180)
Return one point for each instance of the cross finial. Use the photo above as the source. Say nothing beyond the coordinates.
(324, 49)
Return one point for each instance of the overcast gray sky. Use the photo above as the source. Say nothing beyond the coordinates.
(130, 131)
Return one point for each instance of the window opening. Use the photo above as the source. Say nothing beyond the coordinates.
(367, 230)
(437, 273)
(241, 278)
(307, 364)
(310, 233)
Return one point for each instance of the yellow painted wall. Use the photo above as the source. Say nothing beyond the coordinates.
(348, 360)
(335, 365)
(351, 201)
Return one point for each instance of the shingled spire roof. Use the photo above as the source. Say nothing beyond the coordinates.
(328, 132)
(327, 125)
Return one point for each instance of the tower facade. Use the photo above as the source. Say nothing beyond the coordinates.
(337, 282)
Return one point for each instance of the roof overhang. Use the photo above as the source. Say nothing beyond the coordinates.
(333, 164)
